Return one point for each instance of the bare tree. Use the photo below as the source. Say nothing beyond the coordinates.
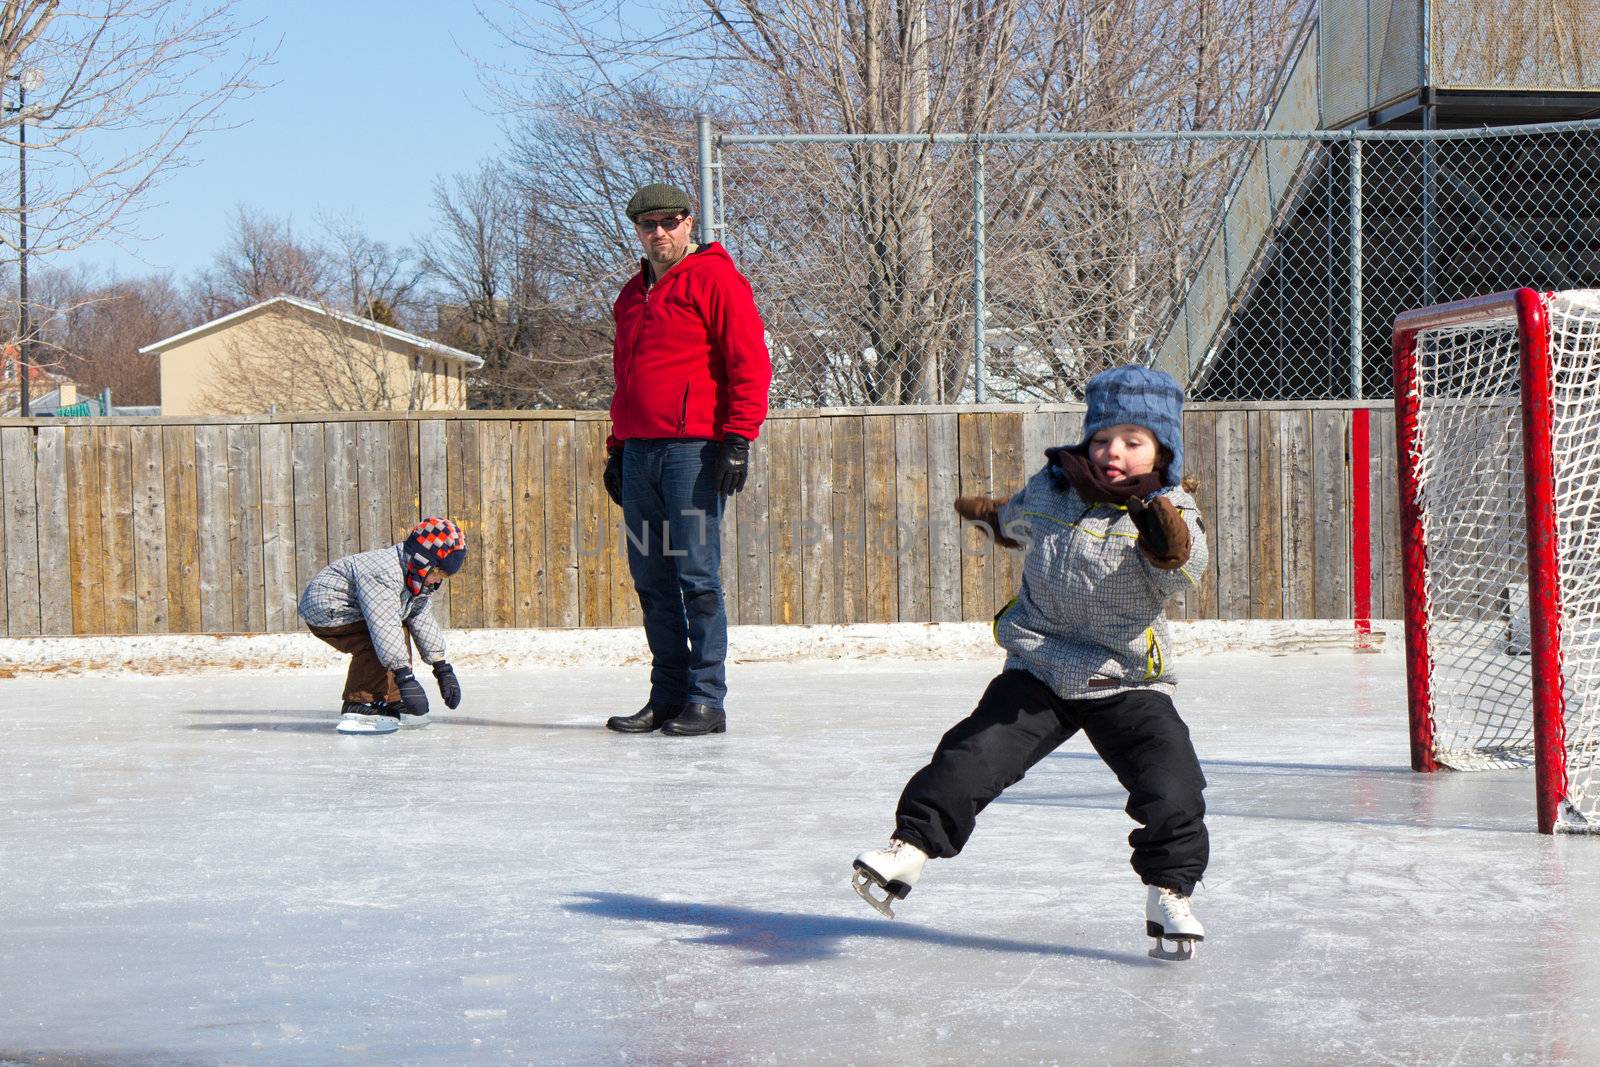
(90, 330)
(116, 92)
(262, 258)
(499, 256)
(860, 254)
(375, 279)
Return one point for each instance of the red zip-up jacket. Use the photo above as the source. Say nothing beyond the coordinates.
(690, 356)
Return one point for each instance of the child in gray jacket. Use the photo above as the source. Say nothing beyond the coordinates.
(373, 605)
(1110, 534)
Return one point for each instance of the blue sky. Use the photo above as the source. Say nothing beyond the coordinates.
(372, 101)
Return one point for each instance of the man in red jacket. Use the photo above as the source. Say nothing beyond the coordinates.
(692, 374)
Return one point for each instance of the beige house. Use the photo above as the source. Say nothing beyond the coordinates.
(290, 355)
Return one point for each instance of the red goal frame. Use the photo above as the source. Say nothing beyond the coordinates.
(1529, 309)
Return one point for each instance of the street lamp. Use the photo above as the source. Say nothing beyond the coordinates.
(31, 79)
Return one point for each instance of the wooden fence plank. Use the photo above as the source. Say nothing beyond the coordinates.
(179, 469)
(149, 531)
(244, 528)
(882, 539)
(1299, 545)
(310, 502)
(786, 492)
(527, 520)
(849, 518)
(751, 508)
(86, 540)
(911, 517)
(1231, 526)
(496, 542)
(55, 573)
(561, 525)
(463, 457)
(211, 494)
(372, 492)
(1266, 517)
(1330, 436)
(593, 507)
(1007, 477)
(405, 509)
(281, 593)
(819, 584)
(433, 487)
(116, 511)
(977, 549)
(21, 531)
(945, 536)
(1200, 458)
(729, 570)
(342, 494)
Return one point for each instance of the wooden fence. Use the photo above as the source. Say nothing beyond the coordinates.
(129, 526)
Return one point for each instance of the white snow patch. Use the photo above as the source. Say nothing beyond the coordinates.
(157, 654)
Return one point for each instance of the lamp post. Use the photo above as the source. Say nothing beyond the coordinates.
(30, 78)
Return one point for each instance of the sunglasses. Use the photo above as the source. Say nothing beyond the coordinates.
(668, 225)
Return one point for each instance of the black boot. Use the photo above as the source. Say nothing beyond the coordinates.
(697, 719)
(642, 721)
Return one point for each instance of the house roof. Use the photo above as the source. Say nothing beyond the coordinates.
(403, 336)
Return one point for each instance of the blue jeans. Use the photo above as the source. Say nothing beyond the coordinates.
(672, 519)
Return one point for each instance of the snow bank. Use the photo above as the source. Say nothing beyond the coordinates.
(508, 649)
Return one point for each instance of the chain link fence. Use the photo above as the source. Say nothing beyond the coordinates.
(902, 269)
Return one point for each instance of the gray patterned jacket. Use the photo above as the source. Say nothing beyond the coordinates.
(371, 586)
(1088, 619)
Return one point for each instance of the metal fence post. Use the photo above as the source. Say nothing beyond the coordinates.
(979, 252)
(708, 202)
(1357, 386)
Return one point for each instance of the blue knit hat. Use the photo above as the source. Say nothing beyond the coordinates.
(1138, 396)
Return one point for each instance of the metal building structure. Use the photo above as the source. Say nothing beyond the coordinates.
(1320, 246)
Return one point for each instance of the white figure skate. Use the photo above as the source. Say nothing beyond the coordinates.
(357, 718)
(894, 870)
(1168, 917)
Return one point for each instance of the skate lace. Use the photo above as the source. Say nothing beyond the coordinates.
(1175, 905)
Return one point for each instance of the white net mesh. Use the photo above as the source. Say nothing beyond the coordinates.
(1575, 448)
(1469, 478)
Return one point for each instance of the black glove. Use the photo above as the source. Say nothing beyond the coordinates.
(734, 465)
(449, 688)
(411, 693)
(612, 478)
(1163, 535)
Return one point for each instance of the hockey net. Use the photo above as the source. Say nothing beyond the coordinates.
(1498, 404)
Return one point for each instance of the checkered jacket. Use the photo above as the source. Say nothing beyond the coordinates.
(371, 587)
(1088, 619)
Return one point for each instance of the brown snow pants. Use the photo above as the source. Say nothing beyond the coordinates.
(368, 680)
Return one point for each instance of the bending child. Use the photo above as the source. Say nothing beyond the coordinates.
(372, 605)
(1110, 535)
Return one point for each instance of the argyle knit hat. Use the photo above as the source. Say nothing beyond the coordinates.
(1138, 396)
(433, 542)
(659, 197)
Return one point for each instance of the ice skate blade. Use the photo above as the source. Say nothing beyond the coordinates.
(863, 881)
(1182, 949)
(349, 728)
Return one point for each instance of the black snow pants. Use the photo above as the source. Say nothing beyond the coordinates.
(1019, 721)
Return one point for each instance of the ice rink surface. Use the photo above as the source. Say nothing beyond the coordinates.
(200, 871)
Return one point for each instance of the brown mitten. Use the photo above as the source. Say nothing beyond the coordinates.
(1163, 535)
(985, 509)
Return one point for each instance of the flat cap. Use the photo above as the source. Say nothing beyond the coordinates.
(659, 197)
